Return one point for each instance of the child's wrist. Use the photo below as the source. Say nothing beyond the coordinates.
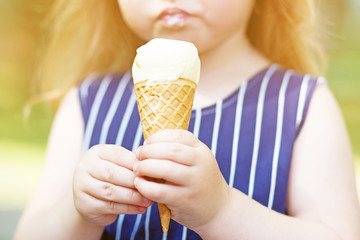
(214, 228)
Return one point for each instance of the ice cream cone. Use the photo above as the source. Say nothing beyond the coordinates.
(166, 73)
(165, 105)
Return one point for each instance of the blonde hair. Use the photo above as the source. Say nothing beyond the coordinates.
(288, 32)
(91, 36)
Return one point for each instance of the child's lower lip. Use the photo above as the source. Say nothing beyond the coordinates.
(174, 17)
(175, 20)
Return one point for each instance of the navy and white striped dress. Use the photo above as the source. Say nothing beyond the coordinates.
(251, 133)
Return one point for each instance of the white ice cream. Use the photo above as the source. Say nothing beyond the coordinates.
(166, 60)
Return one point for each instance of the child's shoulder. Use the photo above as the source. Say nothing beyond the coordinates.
(300, 85)
(275, 77)
(276, 80)
(292, 90)
(296, 76)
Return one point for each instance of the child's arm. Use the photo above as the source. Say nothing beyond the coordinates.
(51, 213)
(322, 184)
(322, 202)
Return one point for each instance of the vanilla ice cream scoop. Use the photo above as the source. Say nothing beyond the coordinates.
(166, 60)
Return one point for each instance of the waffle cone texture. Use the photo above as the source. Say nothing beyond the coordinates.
(164, 105)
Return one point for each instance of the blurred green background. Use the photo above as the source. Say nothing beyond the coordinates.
(23, 142)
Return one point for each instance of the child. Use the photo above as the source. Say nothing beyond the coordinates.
(266, 155)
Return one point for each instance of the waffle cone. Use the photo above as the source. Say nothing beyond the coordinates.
(164, 105)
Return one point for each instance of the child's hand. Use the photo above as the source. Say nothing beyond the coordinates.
(194, 188)
(103, 185)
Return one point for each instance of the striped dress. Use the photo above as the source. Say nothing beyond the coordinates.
(251, 132)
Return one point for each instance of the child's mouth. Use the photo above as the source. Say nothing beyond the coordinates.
(174, 17)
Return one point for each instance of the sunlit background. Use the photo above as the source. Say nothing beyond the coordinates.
(23, 142)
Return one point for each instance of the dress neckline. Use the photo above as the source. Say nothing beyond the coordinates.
(231, 98)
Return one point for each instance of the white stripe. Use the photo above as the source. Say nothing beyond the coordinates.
(164, 236)
(136, 144)
(126, 119)
(237, 124)
(119, 226)
(114, 105)
(94, 111)
(137, 137)
(279, 126)
(259, 117)
(302, 99)
(196, 134)
(216, 127)
(84, 87)
(136, 226)
(197, 122)
(184, 234)
(147, 222)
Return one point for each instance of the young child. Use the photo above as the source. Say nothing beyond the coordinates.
(266, 156)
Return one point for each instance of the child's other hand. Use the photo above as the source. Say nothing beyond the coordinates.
(103, 185)
(194, 188)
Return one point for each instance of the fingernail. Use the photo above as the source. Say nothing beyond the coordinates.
(135, 167)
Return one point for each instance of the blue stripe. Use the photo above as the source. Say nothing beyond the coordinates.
(112, 109)
(131, 105)
(277, 145)
(207, 122)
(94, 111)
(287, 141)
(246, 139)
(104, 107)
(87, 94)
(267, 140)
(235, 140)
(311, 88)
(257, 130)
(192, 122)
(227, 132)
(115, 124)
(91, 93)
(131, 129)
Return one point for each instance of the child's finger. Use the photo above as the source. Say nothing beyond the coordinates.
(97, 206)
(176, 152)
(110, 192)
(112, 173)
(118, 208)
(163, 169)
(173, 135)
(159, 192)
(115, 154)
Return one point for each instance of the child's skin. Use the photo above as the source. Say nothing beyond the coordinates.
(76, 199)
